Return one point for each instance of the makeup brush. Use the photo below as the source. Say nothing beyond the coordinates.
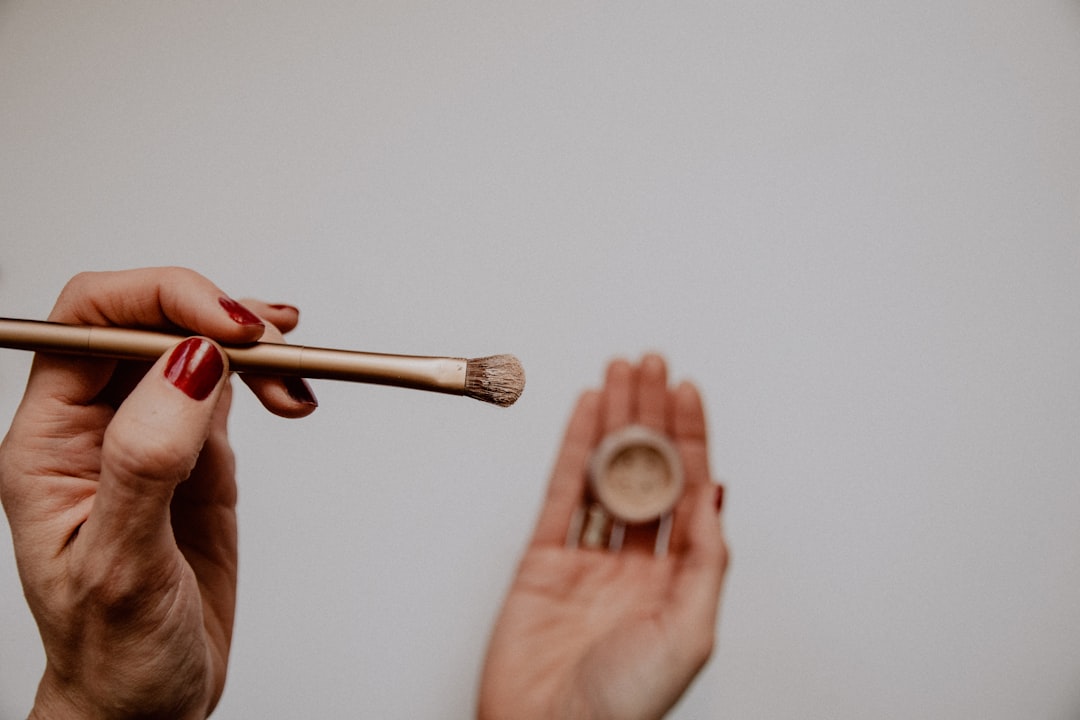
(496, 379)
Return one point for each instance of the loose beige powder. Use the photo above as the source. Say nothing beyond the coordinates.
(636, 474)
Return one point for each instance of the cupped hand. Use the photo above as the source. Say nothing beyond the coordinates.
(118, 481)
(590, 633)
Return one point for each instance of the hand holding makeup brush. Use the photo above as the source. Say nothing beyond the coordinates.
(118, 481)
(591, 632)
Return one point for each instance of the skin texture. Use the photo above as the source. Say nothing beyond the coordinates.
(119, 487)
(586, 633)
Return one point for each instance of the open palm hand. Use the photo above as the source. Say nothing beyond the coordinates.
(589, 633)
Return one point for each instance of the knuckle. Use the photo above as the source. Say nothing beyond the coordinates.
(180, 275)
(137, 452)
(79, 280)
(78, 299)
(74, 287)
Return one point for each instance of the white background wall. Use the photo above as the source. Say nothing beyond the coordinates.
(855, 224)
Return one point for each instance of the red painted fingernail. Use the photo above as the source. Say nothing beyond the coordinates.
(281, 306)
(195, 367)
(299, 391)
(240, 314)
(718, 500)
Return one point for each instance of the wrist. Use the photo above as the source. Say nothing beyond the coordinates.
(56, 700)
(52, 702)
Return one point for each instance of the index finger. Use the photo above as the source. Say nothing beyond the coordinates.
(158, 298)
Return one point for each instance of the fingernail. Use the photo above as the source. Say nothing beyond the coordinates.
(299, 391)
(281, 306)
(195, 367)
(240, 314)
(718, 499)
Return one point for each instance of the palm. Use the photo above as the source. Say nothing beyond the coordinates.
(576, 624)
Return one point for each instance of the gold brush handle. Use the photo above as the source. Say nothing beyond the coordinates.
(412, 371)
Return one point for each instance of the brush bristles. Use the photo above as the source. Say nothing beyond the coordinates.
(498, 379)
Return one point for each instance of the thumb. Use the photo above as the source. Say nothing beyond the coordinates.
(150, 446)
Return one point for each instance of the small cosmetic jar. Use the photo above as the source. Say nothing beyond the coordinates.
(636, 475)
